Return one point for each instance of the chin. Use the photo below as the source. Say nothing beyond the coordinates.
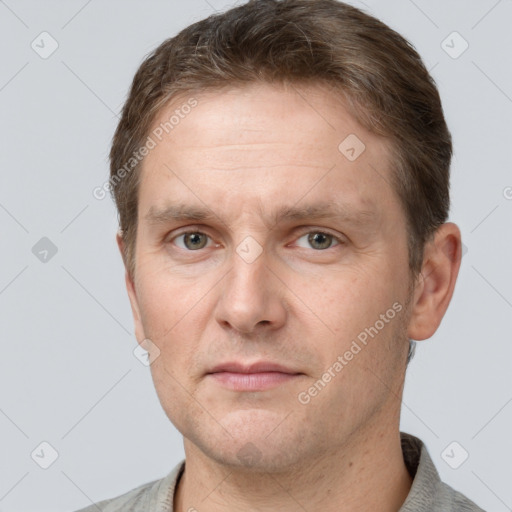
(258, 440)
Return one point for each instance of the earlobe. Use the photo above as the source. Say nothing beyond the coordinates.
(132, 294)
(435, 286)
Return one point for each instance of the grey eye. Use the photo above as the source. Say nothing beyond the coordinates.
(318, 240)
(192, 241)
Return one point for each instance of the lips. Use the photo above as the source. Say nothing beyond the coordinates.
(258, 367)
(259, 376)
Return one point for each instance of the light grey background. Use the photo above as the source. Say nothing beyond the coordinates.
(67, 372)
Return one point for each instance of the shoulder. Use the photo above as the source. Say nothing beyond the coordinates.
(428, 491)
(448, 498)
(136, 499)
(153, 495)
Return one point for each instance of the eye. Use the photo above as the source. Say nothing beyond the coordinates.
(319, 240)
(192, 240)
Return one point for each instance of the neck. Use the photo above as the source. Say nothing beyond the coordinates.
(366, 473)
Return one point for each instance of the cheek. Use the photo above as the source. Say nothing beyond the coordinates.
(346, 300)
(167, 301)
(363, 362)
(174, 314)
(360, 314)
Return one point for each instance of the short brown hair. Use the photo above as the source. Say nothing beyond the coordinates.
(377, 71)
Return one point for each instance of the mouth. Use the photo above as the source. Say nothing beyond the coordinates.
(258, 376)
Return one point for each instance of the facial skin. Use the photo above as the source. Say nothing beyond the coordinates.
(243, 155)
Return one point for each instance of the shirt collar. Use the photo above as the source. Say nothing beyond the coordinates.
(424, 474)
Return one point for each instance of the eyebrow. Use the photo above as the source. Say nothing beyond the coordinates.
(316, 211)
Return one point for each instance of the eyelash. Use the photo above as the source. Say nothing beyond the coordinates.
(316, 231)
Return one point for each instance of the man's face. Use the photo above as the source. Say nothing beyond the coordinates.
(301, 252)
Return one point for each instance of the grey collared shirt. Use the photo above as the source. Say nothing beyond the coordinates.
(427, 494)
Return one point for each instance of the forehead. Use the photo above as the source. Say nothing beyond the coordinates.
(266, 141)
(312, 115)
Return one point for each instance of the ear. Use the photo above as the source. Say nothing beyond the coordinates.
(436, 282)
(132, 294)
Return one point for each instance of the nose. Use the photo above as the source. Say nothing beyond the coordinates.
(251, 298)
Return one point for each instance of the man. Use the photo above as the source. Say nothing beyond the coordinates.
(281, 172)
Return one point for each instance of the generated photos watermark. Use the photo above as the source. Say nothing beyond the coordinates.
(151, 142)
(306, 396)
